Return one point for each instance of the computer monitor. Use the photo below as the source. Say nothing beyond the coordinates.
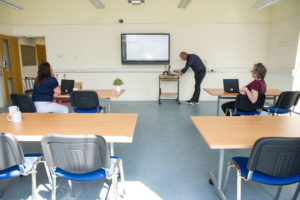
(67, 86)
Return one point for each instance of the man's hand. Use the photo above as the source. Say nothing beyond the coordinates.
(177, 71)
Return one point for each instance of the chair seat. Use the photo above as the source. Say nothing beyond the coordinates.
(264, 178)
(272, 109)
(94, 175)
(255, 112)
(15, 170)
(93, 110)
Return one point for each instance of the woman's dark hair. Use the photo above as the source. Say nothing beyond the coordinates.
(43, 72)
(260, 70)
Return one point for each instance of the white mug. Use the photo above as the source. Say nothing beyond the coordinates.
(15, 117)
(75, 89)
(12, 109)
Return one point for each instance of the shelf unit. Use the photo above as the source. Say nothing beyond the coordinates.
(165, 77)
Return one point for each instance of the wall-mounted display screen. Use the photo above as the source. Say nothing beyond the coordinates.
(145, 48)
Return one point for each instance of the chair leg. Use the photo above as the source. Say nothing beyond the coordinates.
(227, 176)
(114, 187)
(122, 177)
(239, 186)
(33, 182)
(71, 188)
(278, 192)
(53, 187)
(296, 192)
(47, 171)
(108, 189)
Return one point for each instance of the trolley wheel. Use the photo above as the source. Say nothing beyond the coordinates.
(210, 182)
(159, 102)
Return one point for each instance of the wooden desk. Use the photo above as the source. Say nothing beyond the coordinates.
(113, 127)
(225, 132)
(102, 94)
(221, 94)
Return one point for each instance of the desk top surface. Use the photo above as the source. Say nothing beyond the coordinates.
(113, 127)
(102, 93)
(224, 132)
(221, 92)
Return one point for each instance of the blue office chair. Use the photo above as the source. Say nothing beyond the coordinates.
(254, 109)
(81, 158)
(285, 103)
(85, 102)
(14, 163)
(274, 161)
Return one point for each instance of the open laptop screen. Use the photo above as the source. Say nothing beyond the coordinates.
(231, 85)
(67, 85)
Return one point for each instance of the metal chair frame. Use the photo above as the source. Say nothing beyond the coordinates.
(111, 179)
(253, 163)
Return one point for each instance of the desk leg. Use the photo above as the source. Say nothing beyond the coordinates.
(108, 99)
(218, 105)
(112, 151)
(218, 184)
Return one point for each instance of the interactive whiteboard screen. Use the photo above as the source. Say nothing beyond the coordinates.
(145, 48)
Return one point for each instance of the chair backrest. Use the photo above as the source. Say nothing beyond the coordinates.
(11, 153)
(286, 99)
(76, 153)
(24, 102)
(297, 98)
(242, 102)
(276, 156)
(84, 99)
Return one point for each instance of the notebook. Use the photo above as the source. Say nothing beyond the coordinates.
(67, 86)
(231, 85)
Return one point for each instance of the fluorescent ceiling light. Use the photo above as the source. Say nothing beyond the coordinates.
(266, 3)
(12, 4)
(183, 3)
(98, 4)
(136, 2)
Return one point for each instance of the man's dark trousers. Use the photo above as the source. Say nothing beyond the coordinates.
(199, 76)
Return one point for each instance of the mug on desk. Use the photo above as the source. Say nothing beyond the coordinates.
(14, 114)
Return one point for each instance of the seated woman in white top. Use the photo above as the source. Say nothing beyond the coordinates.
(45, 89)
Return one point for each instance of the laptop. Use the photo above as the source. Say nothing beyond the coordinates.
(231, 85)
(66, 86)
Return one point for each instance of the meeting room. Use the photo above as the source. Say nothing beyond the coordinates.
(149, 99)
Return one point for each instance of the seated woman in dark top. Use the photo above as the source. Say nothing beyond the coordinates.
(253, 89)
(45, 89)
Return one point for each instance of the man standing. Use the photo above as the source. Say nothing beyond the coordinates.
(199, 69)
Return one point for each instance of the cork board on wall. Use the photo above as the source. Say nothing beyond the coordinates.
(28, 54)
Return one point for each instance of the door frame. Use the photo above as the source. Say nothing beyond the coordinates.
(15, 73)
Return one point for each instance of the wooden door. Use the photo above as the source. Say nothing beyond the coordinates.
(10, 66)
(41, 53)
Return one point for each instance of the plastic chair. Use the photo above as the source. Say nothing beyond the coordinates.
(24, 102)
(258, 105)
(85, 102)
(285, 102)
(274, 161)
(14, 163)
(81, 158)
